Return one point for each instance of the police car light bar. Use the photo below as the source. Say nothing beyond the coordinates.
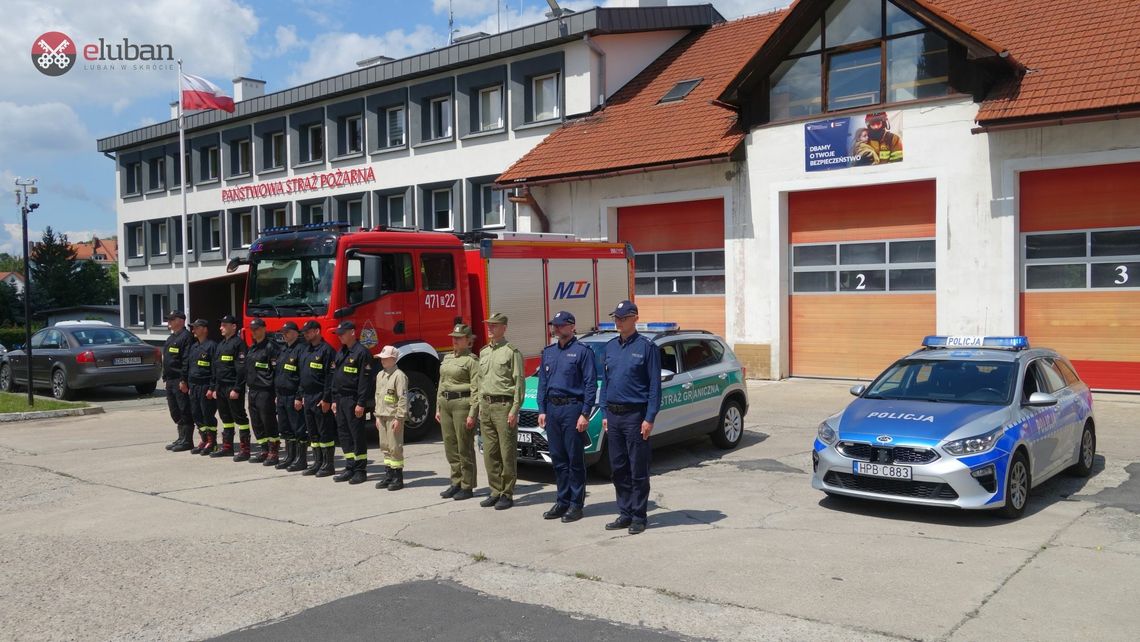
(656, 326)
(1001, 343)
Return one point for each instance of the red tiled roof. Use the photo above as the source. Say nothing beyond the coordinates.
(86, 250)
(633, 130)
(5, 275)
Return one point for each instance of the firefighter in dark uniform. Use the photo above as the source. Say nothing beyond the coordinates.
(198, 377)
(259, 362)
(567, 389)
(229, 380)
(314, 397)
(286, 380)
(174, 352)
(631, 396)
(351, 389)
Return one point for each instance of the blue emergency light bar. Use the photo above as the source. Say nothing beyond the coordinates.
(958, 342)
(656, 326)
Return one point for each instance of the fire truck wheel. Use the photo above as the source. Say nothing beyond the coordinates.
(421, 407)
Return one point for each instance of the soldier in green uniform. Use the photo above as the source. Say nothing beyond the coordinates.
(457, 405)
(501, 384)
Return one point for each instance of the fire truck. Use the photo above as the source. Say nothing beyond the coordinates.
(408, 288)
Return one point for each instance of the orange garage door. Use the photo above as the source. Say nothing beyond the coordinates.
(863, 277)
(680, 261)
(1080, 281)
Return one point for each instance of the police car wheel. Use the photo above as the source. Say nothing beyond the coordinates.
(1017, 484)
(1087, 454)
(59, 387)
(730, 428)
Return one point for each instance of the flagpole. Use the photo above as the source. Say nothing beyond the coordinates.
(182, 169)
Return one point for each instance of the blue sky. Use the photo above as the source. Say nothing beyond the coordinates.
(49, 125)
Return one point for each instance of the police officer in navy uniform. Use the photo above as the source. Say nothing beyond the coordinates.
(631, 396)
(567, 387)
(314, 397)
(198, 377)
(351, 388)
(286, 381)
(259, 362)
(229, 376)
(174, 351)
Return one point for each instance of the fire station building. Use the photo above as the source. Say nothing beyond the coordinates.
(829, 183)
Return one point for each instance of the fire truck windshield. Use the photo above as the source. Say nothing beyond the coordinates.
(294, 286)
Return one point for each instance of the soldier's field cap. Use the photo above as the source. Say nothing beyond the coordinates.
(311, 324)
(256, 322)
(624, 309)
(345, 326)
(563, 318)
(176, 314)
(461, 330)
(229, 318)
(200, 323)
(497, 317)
(289, 325)
(389, 352)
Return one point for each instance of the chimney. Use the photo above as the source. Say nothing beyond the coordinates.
(246, 88)
(373, 61)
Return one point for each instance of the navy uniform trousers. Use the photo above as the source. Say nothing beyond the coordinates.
(290, 421)
(629, 459)
(566, 453)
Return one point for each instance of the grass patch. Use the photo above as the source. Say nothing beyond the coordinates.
(586, 576)
(479, 557)
(13, 402)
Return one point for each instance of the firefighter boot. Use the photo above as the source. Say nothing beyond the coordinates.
(211, 444)
(300, 460)
(318, 461)
(328, 453)
(274, 454)
(227, 449)
(360, 475)
(185, 439)
(346, 474)
(397, 479)
(389, 474)
(290, 455)
(201, 444)
(261, 455)
(243, 451)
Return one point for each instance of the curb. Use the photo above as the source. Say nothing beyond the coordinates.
(50, 414)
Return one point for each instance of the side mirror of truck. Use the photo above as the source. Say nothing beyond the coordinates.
(235, 263)
(340, 313)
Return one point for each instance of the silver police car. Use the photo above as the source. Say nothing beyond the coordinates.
(971, 422)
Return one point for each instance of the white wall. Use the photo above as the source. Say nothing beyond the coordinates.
(628, 54)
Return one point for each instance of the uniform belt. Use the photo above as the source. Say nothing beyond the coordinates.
(564, 401)
(447, 394)
(499, 398)
(624, 408)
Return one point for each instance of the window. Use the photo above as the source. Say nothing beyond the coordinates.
(680, 90)
(491, 108)
(846, 52)
(137, 240)
(212, 163)
(313, 144)
(353, 135)
(371, 276)
(277, 217)
(243, 158)
(215, 233)
(544, 96)
(244, 228)
(157, 174)
(394, 208)
(394, 117)
(312, 213)
(700, 354)
(159, 306)
(881, 266)
(679, 273)
(438, 271)
(441, 209)
(277, 150)
(492, 204)
(136, 312)
(189, 236)
(439, 110)
(134, 179)
(160, 239)
(1079, 260)
(354, 213)
(177, 177)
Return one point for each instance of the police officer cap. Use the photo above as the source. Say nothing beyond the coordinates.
(563, 318)
(311, 324)
(624, 309)
(229, 318)
(289, 325)
(256, 322)
(176, 314)
(497, 317)
(345, 326)
(200, 323)
(461, 330)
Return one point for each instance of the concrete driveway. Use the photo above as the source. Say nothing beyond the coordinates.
(103, 534)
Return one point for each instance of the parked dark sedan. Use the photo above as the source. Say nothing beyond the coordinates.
(72, 355)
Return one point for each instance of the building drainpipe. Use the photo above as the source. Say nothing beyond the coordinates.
(601, 68)
(527, 198)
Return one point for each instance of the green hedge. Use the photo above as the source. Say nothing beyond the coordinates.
(13, 336)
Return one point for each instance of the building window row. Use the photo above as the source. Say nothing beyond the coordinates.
(679, 273)
(904, 265)
(1082, 259)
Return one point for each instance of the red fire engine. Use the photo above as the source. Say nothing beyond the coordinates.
(409, 288)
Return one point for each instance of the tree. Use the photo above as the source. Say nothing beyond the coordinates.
(9, 263)
(53, 271)
(11, 305)
(93, 286)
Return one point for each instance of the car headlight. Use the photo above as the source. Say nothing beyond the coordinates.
(827, 434)
(973, 445)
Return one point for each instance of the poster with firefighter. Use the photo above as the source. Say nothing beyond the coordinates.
(853, 141)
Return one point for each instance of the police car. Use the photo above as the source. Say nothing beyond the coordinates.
(971, 422)
(702, 393)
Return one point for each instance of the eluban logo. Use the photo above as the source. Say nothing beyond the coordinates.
(53, 53)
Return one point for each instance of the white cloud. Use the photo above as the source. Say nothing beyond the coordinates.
(337, 53)
(13, 238)
(76, 236)
(465, 8)
(287, 39)
(736, 8)
(43, 128)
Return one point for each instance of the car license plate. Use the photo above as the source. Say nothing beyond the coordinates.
(882, 470)
(127, 361)
(524, 437)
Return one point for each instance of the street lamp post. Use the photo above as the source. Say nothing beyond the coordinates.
(26, 187)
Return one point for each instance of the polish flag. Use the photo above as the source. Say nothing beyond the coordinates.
(199, 93)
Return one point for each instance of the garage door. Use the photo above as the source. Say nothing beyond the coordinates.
(1080, 250)
(679, 251)
(863, 277)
